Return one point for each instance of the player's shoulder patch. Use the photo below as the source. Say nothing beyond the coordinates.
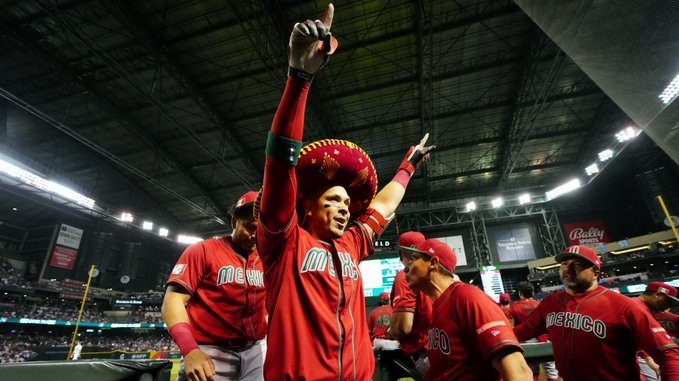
(179, 269)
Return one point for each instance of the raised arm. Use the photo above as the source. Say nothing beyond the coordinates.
(307, 56)
(387, 200)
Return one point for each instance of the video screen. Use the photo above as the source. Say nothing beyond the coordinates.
(512, 243)
(379, 274)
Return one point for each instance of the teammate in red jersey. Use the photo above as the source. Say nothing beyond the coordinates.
(378, 325)
(525, 306)
(657, 297)
(470, 338)
(596, 332)
(505, 301)
(214, 304)
(412, 309)
(520, 311)
(669, 321)
(318, 218)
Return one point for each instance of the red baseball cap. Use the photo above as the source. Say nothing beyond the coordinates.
(438, 249)
(582, 252)
(384, 296)
(247, 198)
(410, 240)
(663, 288)
(505, 298)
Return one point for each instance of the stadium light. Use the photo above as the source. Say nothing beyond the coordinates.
(592, 170)
(163, 232)
(47, 185)
(188, 239)
(563, 189)
(471, 206)
(126, 217)
(670, 91)
(605, 155)
(147, 225)
(628, 133)
(497, 202)
(524, 199)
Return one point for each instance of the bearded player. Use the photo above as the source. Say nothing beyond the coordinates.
(596, 332)
(470, 338)
(318, 218)
(214, 304)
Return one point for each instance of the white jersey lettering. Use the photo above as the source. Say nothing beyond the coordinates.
(317, 259)
(231, 274)
(574, 320)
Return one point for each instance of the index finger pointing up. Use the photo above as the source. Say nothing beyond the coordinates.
(327, 17)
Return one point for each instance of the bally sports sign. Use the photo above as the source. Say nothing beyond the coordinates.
(589, 233)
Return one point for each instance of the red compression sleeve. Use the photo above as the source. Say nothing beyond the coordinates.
(402, 177)
(280, 185)
(182, 336)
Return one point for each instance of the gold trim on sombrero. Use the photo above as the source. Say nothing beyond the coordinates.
(361, 178)
(329, 166)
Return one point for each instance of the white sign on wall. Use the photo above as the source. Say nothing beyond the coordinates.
(69, 236)
(455, 242)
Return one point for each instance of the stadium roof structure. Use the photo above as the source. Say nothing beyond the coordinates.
(162, 107)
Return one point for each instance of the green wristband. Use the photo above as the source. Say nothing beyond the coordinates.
(283, 149)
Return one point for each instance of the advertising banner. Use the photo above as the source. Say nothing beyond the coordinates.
(63, 257)
(588, 233)
(69, 236)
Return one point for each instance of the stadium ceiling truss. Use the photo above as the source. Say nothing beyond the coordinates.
(162, 108)
(544, 216)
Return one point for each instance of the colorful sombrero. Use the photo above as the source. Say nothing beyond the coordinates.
(338, 162)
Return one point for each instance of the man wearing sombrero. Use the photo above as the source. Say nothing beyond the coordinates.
(318, 218)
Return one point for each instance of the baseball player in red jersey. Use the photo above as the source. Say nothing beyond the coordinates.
(318, 218)
(470, 338)
(525, 306)
(412, 309)
(214, 304)
(596, 332)
(669, 321)
(378, 325)
(657, 297)
(520, 311)
(505, 300)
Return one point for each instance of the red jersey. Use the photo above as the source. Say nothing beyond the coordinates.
(317, 314)
(669, 321)
(507, 310)
(522, 309)
(467, 328)
(595, 336)
(378, 322)
(227, 292)
(406, 300)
